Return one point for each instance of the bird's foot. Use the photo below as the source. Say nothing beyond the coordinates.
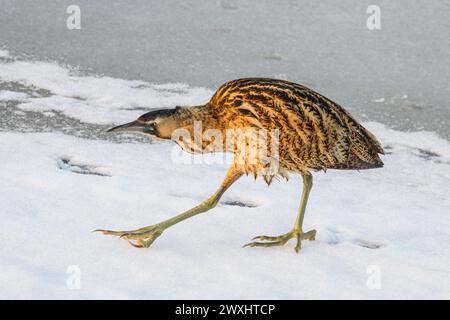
(142, 237)
(281, 240)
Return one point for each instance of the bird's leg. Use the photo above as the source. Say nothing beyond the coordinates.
(145, 236)
(297, 231)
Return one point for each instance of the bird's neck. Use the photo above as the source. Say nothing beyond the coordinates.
(191, 117)
(188, 118)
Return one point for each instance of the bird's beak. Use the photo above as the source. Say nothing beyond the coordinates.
(134, 126)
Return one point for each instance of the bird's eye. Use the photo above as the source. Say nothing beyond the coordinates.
(245, 112)
(150, 128)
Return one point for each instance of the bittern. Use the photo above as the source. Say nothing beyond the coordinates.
(313, 133)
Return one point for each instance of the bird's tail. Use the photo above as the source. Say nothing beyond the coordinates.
(363, 152)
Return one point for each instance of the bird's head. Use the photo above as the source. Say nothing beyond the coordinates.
(158, 123)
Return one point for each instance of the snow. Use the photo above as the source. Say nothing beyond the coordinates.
(382, 233)
(394, 220)
(7, 95)
(93, 99)
(4, 53)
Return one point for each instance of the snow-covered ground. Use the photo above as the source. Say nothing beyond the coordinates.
(382, 233)
(55, 189)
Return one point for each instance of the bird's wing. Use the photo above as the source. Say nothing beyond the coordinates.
(345, 143)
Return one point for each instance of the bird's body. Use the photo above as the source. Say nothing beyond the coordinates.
(312, 133)
(315, 132)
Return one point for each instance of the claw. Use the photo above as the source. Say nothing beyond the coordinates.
(264, 238)
(271, 238)
(124, 236)
(144, 237)
(136, 245)
(109, 232)
(298, 246)
(99, 230)
(282, 240)
(265, 244)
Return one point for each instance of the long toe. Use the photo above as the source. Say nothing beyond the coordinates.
(140, 238)
(265, 244)
(111, 232)
(298, 246)
(310, 235)
(141, 243)
(272, 238)
(270, 241)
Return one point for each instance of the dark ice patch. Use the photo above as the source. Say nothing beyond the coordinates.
(80, 168)
(369, 244)
(387, 149)
(426, 154)
(239, 203)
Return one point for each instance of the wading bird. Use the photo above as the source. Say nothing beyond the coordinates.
(314, 133)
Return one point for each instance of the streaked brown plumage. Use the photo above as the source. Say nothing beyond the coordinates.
(315, 133)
